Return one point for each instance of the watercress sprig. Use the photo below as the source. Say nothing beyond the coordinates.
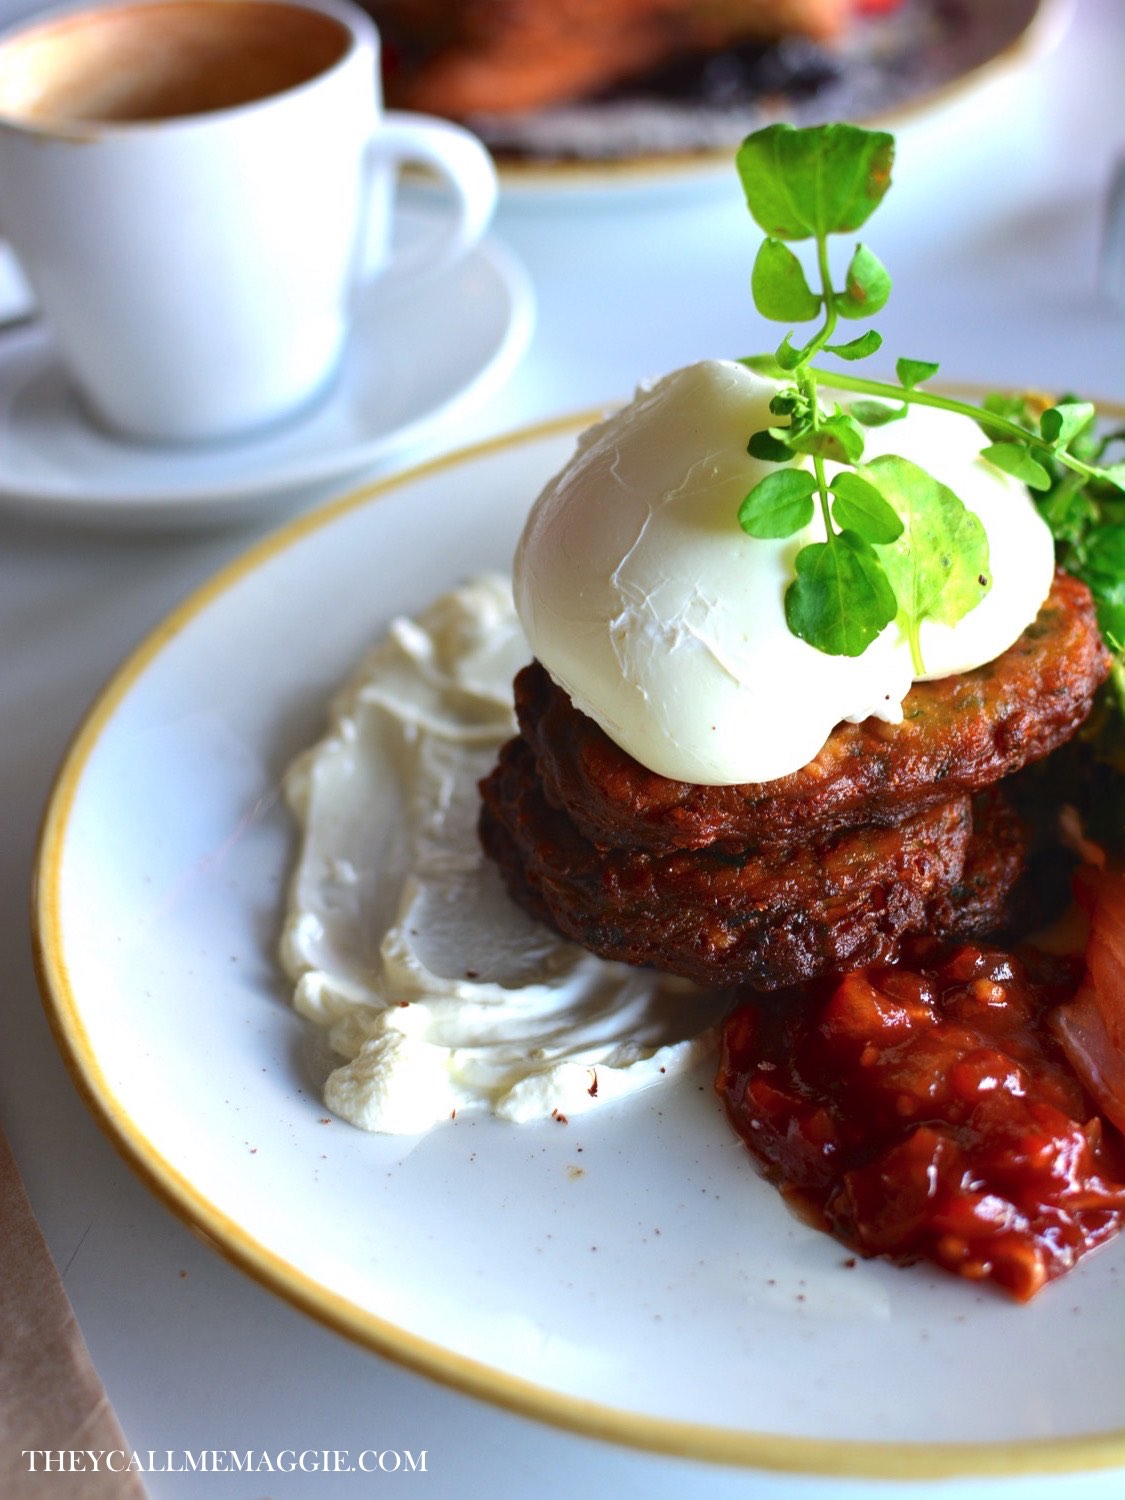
(898, 543)
(1084, 506)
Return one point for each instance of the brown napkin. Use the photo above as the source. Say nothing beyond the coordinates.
(50, 1394)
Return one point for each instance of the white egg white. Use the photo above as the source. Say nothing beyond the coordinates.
(664, 621)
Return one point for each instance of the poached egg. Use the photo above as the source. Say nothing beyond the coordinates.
(664, 622)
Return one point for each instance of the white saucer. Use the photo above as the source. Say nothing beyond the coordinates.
(421, 355)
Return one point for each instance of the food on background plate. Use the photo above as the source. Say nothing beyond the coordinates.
(790, 581)
(466, 57)
(673, 84)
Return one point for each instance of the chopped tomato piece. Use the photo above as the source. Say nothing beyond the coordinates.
(926, 1109)
(1091, 1027)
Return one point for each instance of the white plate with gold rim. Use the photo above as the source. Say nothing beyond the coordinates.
(627, 1275)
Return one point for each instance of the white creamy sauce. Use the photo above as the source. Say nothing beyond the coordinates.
(437, 993)
(665, 623)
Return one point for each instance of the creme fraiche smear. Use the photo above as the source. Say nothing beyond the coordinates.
(436, 995)
(665, 623)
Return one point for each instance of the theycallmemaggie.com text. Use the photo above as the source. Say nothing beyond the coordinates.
(224, 1461)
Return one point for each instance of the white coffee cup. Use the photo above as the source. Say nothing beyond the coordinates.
(198, 190)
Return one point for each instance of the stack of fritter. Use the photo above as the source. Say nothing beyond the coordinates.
(893, 829)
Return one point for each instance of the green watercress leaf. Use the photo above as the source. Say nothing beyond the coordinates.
(814, 181)
(1061, 424)
(914, 372)
(876, 413)
(1012, 405)
(859, 507)
(779, 504)
(1105, 552)
(840, 599)
(778, 285)
(1104, 570)
(938, 567)
(788, 357)
(838, 438)
(769, 447)
(1110, 602)
(867, 286)
(1015, 459)
(1069, 511)
(859, 348)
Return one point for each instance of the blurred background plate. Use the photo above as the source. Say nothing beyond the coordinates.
(681, 123)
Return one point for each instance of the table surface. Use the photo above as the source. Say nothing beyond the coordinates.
(992, 233)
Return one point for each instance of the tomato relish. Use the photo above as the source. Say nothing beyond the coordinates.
(925, 1110)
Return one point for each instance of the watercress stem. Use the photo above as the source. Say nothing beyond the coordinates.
(807, 374)
(1002, 426)
(841, 381)
(830, 316)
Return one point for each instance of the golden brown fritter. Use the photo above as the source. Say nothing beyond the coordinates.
(766, 919)
(957, 735)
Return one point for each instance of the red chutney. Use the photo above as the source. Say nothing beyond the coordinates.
(924, 1110)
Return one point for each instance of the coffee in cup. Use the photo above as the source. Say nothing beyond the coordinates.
(198, 190)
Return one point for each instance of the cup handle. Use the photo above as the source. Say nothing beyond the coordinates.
(464, 167)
